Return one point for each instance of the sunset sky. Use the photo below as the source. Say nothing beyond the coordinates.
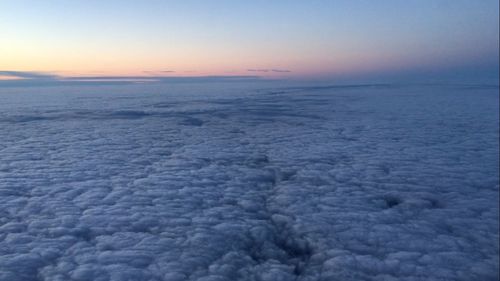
(307, 39)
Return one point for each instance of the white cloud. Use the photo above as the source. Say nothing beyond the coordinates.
(204, 182)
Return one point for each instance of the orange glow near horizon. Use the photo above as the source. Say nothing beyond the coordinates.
(9, 77)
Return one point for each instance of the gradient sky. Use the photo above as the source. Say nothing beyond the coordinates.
(329, 38)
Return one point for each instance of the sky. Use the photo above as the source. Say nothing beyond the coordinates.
(297, 39)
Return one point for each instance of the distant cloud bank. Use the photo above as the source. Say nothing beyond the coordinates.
(152, 72)
(27, 78)
(27, 74)
(269, 70)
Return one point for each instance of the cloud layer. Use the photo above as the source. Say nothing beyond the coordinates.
(234, 182)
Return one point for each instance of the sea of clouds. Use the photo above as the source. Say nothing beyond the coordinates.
(255, 182)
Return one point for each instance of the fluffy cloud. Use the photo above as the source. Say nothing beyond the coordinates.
(203, 182)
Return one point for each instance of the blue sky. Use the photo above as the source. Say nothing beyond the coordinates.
(306, 39)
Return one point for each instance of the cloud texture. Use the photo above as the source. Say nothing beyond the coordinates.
(234, 182)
